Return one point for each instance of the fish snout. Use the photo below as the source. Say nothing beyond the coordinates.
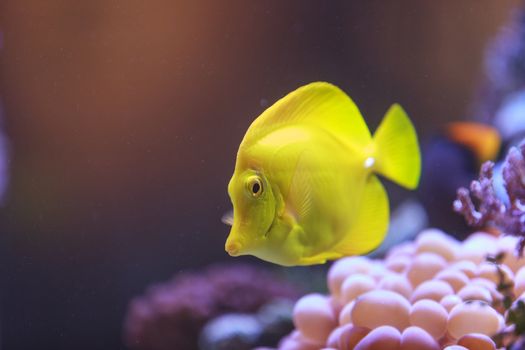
(233, 248)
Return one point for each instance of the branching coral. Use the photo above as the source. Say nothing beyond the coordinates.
(491, 210)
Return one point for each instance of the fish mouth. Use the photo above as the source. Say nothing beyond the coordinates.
(236, 244)
(233, 248)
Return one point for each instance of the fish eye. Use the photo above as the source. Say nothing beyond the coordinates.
(254, 185)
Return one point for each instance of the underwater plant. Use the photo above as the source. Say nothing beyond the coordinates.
(171, 315)
(491, 210)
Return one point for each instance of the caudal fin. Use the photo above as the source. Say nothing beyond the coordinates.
(396, 149)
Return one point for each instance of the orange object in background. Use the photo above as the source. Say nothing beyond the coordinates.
(483, 140)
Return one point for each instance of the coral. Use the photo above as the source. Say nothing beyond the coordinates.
(171, 315)
(244, 288)
(434, 293)
(508, 217)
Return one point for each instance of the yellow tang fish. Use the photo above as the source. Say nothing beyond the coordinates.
(304, 188)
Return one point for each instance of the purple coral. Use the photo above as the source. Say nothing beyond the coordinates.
(509, 218)
(489, 205)
(514, 176)
(171, 315)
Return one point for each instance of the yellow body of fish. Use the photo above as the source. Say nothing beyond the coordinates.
(304, 188)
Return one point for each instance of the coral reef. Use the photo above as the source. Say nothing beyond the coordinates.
(433, 293)
(508, 217)
(171, 315)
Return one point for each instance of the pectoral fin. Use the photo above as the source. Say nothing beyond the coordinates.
(227, 218)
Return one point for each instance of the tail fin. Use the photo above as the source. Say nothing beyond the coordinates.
(396, 149)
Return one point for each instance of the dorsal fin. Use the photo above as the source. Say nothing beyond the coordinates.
(320, 104)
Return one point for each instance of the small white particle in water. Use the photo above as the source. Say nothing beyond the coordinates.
(369, 162)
